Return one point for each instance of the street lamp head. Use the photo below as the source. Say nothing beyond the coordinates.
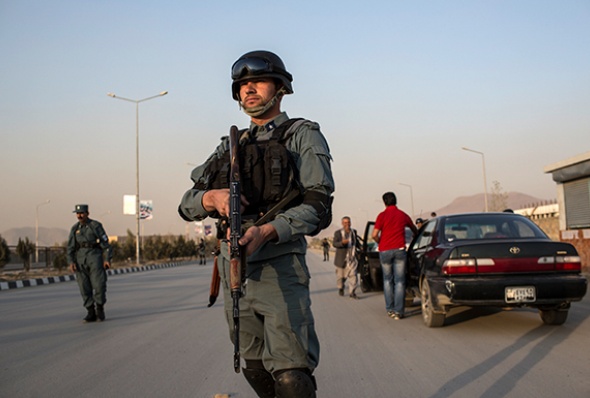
(164, 93)
(471, 150)
(111, 95)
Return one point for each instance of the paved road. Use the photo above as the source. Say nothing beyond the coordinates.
(160, 340)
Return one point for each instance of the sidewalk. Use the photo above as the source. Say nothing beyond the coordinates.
(67, 278)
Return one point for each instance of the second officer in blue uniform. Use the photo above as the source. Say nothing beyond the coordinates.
(89, 255)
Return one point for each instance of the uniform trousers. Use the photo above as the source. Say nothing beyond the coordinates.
(92, 278)
(276, 322)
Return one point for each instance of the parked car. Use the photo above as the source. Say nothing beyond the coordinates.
(492, 259)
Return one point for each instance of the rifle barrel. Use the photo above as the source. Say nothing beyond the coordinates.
(236, 254)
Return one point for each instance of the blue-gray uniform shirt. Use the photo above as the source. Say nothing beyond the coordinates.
(312, 157)
(85, 239)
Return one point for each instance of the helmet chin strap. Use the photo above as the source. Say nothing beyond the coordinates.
(261, 109)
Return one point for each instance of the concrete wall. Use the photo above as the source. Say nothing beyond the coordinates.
(579, 238)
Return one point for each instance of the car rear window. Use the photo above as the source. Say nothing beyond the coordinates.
(490, 227)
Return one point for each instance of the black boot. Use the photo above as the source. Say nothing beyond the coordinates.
(91, 315)
(294, 383)
(259, 379)
(100, 312)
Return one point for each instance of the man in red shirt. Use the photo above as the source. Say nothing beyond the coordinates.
(389, 233)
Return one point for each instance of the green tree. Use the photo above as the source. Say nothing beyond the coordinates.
(4, 252)
(180, 247)
(191, 249)
(24, 249)
(60, 261)
(117, 251)
(167, 250)
(128, 247)
(152, 248)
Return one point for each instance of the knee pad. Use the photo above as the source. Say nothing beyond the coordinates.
(259, 379)
(294, 383)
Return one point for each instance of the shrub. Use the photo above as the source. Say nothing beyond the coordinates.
(59, 261)
(4, 252)
(24, 249)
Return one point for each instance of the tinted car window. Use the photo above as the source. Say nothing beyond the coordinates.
(490, 227)
(425, 236)
(372, 246)
(524, 230)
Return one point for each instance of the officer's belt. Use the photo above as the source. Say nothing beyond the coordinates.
(87, 245)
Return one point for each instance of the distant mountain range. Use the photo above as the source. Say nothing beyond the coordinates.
(463, 204)
(475, 203)
(47, 236)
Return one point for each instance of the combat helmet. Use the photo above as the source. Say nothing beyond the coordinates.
(259, 64)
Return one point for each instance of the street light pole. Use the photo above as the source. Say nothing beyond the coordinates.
(37, 229)
(485, 183)
(137, 215)
(411, 197)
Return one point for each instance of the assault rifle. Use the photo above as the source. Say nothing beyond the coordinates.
(237, 253)
(237, 262)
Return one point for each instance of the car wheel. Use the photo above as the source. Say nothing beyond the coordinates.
(431, 319)
(553, 317)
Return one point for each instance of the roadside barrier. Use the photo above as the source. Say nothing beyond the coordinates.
(67, 278)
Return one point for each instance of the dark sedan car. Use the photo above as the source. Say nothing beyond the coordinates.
(492, 259)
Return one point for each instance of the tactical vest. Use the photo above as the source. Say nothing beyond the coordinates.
(267, 171)
(268, 175)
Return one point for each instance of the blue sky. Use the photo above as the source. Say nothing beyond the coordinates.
(397, 86)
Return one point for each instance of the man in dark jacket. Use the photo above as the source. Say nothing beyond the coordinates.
(345, 261)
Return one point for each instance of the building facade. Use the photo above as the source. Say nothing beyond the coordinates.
(572, 177)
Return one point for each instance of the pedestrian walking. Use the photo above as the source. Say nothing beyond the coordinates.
(389, 233)
(345, 241)
(89, 254)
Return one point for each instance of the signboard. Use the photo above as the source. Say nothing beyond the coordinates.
(129, 204)
(146, 209)
(199, 227)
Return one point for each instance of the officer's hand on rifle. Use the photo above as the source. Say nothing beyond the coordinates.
(255, 236)
(218, 200)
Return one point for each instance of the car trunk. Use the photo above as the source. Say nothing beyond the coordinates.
(485, 257)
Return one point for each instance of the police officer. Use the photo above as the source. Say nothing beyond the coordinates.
(277, 337)
(89, 255)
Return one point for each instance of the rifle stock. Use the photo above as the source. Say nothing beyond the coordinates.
(237, 258)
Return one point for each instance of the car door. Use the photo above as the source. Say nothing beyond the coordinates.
(421, 244)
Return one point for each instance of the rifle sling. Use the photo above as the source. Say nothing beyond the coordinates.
(276, 208)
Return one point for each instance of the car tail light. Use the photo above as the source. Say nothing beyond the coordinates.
(563, 263)
(568, 263)
(459, 266)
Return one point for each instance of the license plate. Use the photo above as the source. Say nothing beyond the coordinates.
(520, 294)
